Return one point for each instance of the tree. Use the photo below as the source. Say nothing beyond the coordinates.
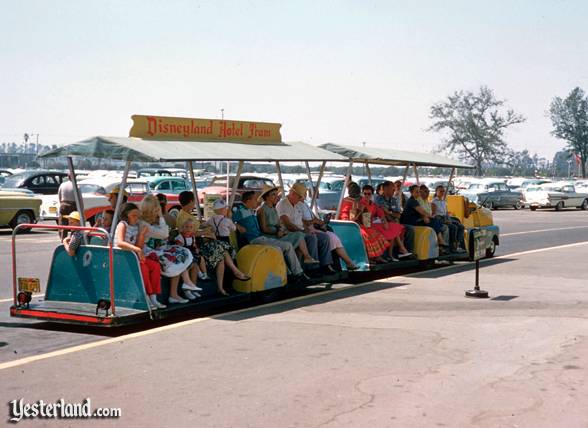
(474, 125)
(570, 123)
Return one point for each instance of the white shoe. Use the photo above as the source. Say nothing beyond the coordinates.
(191, 287)
(178, 300)
(404, 255)
(191, 295)
(154, 303)
(160, 305)
(203, 276)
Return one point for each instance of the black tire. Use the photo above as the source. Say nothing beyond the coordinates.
(174, 211)
(533, 208)
(584, 205)
(518, 206)
(22, 217)
(559, 206)
(489, 205)
(491, 249)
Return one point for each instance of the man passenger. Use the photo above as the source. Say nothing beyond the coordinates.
(292, 212)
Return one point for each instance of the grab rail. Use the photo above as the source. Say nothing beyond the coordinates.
(95, 230)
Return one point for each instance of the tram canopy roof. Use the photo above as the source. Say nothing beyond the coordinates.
(378, 155)
(144, 150)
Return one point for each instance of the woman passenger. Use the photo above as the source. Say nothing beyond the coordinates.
(454, 226)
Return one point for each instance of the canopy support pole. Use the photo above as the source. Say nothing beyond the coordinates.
(228, 181)
(449, 183)
(280, 180)
(312, 189)
(404, 174)
(190, 165)
(345, 184)
(318, 183)
(235, 185)
(369, 172)
(416, 174)
(77, 196)
(119, 198)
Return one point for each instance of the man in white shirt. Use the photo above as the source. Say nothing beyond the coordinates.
(67, 203)
(291, 211)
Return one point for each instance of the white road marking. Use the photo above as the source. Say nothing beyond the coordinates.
(73, 349)
(542, 230)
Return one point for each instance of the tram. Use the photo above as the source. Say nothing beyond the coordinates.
(102, 285)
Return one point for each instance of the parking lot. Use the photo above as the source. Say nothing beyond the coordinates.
(406, 350)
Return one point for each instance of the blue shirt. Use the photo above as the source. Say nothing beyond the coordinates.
(391, 204)
(247, 218)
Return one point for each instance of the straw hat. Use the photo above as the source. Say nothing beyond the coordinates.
(299, 189)
(116, 191)
(264, 190)
(74, 215)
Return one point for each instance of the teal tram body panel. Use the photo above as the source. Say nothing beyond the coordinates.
(84, 278)
(350, 235)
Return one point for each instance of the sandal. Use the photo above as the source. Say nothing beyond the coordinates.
(311, 261)
(352, 267)
(242, 278)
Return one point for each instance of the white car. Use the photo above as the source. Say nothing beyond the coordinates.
(557, 195)
(93, 195)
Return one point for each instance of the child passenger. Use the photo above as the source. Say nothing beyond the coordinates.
(221, 222)
(130, 237)
(187, 239)
(73, 242)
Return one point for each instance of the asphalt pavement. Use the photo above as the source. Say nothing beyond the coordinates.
(401, 351)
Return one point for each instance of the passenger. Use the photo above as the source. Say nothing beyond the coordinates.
(391, 231)
(291, 212)
(72, 243)
(130, 236)
(269, 222)
(107, 217)
(311, 221)
(67, 204)
(215, 253)
(352, 209)
(399, 194)
(169, 219)
(415, 215)
(220, 222)
(454, 226)
(248, 224)
(112, 198)
(175, 260)
(187, 238)
(392, 209)
(380, 188)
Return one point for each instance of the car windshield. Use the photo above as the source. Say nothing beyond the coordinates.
(475, 186)
(91, 188)
(15, 180)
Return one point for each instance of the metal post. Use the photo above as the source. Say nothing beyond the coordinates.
(77, 196)
(318, 183)
(404, 176)
(228, 180)
(119, 198)
(416, 174)
(235, 185)
(194, 188)
(449, 183)
(280, 180)
(345, 184)
(309, 178)
(369, 172)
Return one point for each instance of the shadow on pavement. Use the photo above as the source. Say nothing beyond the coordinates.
(451, 270)
(317, 299)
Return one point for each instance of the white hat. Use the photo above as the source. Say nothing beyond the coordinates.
(219, 204)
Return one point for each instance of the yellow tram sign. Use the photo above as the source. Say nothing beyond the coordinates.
(192, 129)
(32, 285)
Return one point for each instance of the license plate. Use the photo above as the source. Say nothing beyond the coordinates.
(32, 285)
(53, 210)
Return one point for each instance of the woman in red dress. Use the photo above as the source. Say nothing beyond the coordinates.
(352, 209)
(391, 231)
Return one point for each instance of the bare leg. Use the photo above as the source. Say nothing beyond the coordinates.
(220, 276)
(440, 239)
(193, 276)
(238, 274)
(391, 248)
(402, 249)
(173, 287)
(343, 254)
(186, 278)
(307, 258)
(202, 265)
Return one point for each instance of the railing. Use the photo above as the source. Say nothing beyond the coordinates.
(96, 231)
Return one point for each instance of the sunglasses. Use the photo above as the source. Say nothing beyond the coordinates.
(367, 193)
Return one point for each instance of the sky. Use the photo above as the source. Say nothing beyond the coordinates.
(328, 71)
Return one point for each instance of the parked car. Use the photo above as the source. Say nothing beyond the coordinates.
(558, 195)
(93, 195)
(218, 186)
(3, 174)
(43, 182)
(493, 194)
(18, 208)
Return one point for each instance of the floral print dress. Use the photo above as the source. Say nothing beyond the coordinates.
(173, 259)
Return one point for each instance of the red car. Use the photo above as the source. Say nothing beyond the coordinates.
(218, 186)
